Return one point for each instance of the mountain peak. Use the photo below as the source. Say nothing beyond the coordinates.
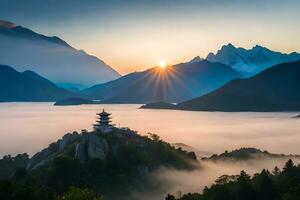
(196, 59)
(7, 24)
(70, 65)
(228, 46)
(258, 47)
(250, 61)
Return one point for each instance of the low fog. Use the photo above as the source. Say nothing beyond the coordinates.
(180, 182)
(39, 124)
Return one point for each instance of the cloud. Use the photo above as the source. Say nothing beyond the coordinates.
(176, 182)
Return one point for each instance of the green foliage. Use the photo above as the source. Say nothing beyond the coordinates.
(170, 197)
(79, 194)
(292, 194)
(9, 164)
(11, 190)
(278, 185)
(194, 196)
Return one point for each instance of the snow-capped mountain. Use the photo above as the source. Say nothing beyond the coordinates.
(250, 61)
(51, 57)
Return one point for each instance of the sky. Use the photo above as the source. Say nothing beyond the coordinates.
(132, 35)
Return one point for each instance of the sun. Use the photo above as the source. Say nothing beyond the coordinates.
(162, 64)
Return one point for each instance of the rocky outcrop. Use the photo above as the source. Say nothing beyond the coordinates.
(96, 147)
(43, 156)
(91, 147)
(68, 139)
(84, 147)
(80, 152)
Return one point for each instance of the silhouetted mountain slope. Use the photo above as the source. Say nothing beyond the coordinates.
(27, 86)
(173, 84)
(251, 61)
(50, 57)
(275, 89)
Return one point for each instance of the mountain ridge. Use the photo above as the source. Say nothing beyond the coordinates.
(28, 86)
(274, 89)
(251, 61)
(173, 84)
(50, 57)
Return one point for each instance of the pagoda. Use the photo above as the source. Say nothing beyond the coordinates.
(103, 122)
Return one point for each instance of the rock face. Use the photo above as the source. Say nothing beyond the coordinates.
(80, 152)
(96, 147)
(68, 139)
(84, 147)
(43, 156)
(89, 146)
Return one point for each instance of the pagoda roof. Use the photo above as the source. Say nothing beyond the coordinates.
(103, 113)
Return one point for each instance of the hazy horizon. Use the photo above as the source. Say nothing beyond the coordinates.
(174, 31)
(208, 132)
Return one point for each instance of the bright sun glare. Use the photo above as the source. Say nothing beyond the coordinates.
(162, 64)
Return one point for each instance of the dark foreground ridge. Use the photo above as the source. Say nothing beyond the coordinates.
(276, 185)
(112, 165)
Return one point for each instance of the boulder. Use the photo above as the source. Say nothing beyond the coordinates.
(43, 156)
(68, 139)
(97, 147)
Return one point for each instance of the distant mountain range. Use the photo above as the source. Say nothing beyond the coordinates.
(51, 57)
(275, 89)
(28, 86)
(55, 60)
(250, 61)
(173, 84)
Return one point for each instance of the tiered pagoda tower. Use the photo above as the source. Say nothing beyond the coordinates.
(103, 122)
